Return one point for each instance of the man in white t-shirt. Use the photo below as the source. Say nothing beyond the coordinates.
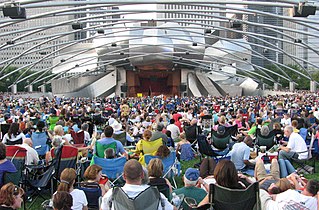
(133, 174)
(32, 155)
(173, 129)
(296, 147)
(292, 199)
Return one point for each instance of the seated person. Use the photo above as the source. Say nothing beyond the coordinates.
(240, 156)
(93, 174)
(109, 153)
(67, 180)
(191, 178)
(184, 150)
(296, 147)
(163, 152)
(11, 197)
(142, 149)
(226, 175)
(5, 165)
(155, 170)
(108, 132)
(133, 175)
(62, 201)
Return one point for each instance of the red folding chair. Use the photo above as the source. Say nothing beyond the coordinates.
(78, 138)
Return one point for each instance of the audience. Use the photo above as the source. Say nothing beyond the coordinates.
(149, 117)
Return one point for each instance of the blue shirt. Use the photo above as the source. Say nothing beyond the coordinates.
(239, 153)
(7, 166)
(119, 145)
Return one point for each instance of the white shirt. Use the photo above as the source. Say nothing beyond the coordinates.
(132, 191)
(239, 153)
(285, 122)
(13, 138)
(79, 199)
(174, 130)
(32, 155)
(297, 144)
(290, 199)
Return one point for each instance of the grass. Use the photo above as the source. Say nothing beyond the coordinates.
(184, 166)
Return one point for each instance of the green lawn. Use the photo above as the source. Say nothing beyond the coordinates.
(179, 181)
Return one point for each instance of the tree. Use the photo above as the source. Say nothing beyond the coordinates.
(9, 80)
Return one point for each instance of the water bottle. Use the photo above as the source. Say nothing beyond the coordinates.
(175, 200)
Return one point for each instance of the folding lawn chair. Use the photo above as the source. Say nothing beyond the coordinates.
(112, 168)
(17, 156)
(170, 164)
(223, 198)
(78, 138)
(92, 192)
(302, 162)
(39, 143)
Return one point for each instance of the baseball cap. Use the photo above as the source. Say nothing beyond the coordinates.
(192, 174)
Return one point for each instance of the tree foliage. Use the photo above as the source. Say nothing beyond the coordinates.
(9, 80)
(303, 83)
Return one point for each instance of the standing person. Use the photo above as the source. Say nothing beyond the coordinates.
(296, 146)
(67, 180)
(11, 197)
(133, 175)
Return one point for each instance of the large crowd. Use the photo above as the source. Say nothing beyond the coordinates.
(160, 126)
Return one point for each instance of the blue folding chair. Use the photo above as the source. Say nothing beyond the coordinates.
(39, 141)
(113, 168)
(170, 164)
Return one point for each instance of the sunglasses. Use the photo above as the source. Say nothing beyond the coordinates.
(16, 190)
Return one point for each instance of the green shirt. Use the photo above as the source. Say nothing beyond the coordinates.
(252, 130)
(193, 192)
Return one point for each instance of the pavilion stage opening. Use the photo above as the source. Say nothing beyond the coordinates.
(153, 83)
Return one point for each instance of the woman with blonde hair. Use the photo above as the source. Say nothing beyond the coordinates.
(67, 180)
(155, 170)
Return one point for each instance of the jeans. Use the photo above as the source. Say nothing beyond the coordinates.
(285, 167)
(287, 155)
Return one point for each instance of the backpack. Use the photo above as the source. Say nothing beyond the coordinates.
(149, 199)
